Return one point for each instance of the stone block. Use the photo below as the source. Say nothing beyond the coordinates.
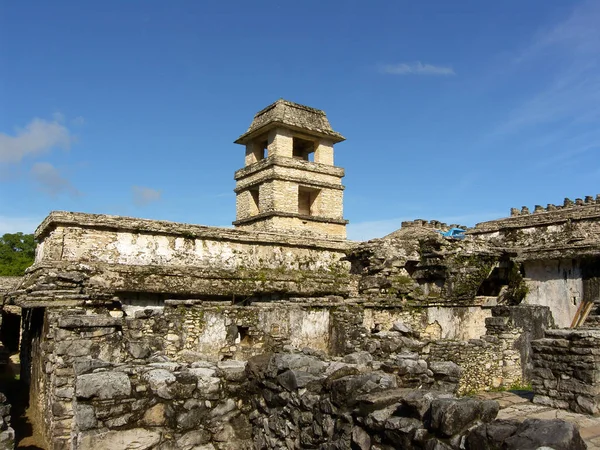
(103, 385)
(85, 417)
(133, 439)
(160, 381)
(88, 321)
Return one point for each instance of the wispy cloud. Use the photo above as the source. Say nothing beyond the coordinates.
(144, 195)
(49, 180)
(417, 68)
(26, 225)
(37, 137)
(569, 100)
(78, 121)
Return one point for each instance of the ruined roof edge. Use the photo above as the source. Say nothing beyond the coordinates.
(56, 218)
(537, 219)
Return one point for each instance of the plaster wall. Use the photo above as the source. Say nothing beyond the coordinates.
(460, 323)
(80, 244)
(557, 284)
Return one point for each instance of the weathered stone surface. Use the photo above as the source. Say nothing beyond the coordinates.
(160, 381)
(358, 358)
(453, 416)
(361, 438)
(348, 388)
(156, 416)
(134, 439)
(103, 385)
(402, 328)
(193, 439)
(85, 417)
(535, 433)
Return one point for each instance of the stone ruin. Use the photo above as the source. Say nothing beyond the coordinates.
(280, 333)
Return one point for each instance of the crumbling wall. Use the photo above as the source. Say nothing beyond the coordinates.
(566, 370)
(85, 256)
(501, 357)
(7, 434)
(160, 404)
(225, 331)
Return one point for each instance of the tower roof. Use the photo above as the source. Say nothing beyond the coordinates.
(290, 115)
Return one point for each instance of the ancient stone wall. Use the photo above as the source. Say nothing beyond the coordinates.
(100, 257)
(8, 284)
(7, 434)
(160, 404)
(566, 370)
(283, 400)
(501, 357)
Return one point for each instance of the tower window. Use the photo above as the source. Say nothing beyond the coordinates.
(262, 150)
(255, 201)
(307, 201)
(303, 149)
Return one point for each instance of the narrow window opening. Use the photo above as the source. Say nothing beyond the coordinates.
(262, 154)
(259, 149)
(255, 200)
(244, 337)
(307, 201)
(303, 149)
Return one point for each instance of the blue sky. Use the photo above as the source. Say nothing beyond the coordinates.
(454, 111)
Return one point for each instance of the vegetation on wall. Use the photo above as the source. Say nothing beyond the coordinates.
(517, 287)
(17, 252)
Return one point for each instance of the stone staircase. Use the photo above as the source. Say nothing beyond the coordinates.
(593, 318)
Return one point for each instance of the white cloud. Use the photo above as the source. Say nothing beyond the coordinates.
(78, 121)
(50, 180)
(417, 68)
(571, 98)
(144, 195)
(37, 137)
(15, 224)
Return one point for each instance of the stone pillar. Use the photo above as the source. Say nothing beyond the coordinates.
(281, 143)
(324, 152)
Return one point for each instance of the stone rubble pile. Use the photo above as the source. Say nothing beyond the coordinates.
(301, 402)
(7, 434)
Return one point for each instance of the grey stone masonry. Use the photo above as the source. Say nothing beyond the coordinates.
(7, 434)
(566, 370)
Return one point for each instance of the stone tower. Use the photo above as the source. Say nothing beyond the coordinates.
(289, 182)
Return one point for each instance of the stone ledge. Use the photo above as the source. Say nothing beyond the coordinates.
(298, 216)
(95, 321)
(274, 176)
(305, 166)
(147, 226)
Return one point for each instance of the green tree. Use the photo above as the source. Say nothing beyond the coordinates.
(17, 252)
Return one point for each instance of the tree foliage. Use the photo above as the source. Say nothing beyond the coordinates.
(17, 252)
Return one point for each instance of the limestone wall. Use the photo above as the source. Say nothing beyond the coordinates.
(107, 255)
(557, 284)
(460, 323)
(570, 232)
(216, 332)
(567, 370)
(8, 284)
(7, 434)
(503, 355)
